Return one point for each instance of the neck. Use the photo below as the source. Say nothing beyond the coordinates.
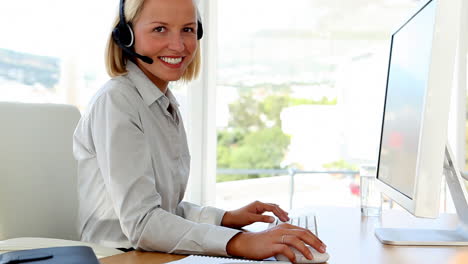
(161, 84)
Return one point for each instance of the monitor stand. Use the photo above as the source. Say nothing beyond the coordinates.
(436, 237)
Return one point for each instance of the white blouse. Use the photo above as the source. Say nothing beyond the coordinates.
(133, 168)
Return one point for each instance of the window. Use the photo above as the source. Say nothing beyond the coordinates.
(52, 51)
(300, 90)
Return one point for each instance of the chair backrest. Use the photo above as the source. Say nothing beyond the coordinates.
(38, 185)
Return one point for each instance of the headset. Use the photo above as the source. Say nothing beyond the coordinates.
(124, 37)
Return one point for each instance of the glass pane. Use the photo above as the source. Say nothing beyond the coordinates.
(53, 51)
(300, 92)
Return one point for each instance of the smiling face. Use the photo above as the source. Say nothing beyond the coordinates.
(165, 31)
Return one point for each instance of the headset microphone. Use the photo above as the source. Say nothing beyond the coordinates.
(141, 57)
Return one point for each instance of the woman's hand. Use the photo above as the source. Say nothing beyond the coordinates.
(276, 240)
(253, 213)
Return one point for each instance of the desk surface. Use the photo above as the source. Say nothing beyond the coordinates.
(350, 239)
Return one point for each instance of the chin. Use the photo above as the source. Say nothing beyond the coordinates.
(174, 76)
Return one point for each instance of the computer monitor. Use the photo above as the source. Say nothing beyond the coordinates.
(413, 145)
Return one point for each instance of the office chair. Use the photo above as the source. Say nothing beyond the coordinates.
(38, 177)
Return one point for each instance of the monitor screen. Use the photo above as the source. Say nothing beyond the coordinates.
(408, 71)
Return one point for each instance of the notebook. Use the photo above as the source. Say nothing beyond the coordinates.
(193, 259)
(51, 255)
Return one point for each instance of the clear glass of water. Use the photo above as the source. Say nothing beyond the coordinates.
(371, 198)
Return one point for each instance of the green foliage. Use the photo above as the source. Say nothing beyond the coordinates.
(246, 114)
(262, 149)
(272, 107)
(250, 114)
(304, 101)
(254, 139)
(227, 141)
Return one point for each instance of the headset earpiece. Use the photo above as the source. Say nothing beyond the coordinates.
(126, 35)
(199, 30)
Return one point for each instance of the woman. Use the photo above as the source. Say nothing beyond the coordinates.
(133, 159)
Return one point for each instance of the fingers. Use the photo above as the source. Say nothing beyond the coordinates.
(306, 236)
(289, 226)
(274, 208)
(280, 213)
(298, 244)
(262, 218)
(285, 250)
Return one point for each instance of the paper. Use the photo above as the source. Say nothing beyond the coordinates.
(217, 260)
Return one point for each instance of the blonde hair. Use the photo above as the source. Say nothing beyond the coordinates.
(116, 59)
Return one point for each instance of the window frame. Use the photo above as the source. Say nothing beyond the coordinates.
(201, 121)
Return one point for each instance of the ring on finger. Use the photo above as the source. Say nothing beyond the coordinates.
(282, 239)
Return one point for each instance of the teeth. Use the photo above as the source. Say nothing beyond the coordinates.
(172, 60)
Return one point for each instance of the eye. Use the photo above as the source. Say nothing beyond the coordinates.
(189, 29)
(160, 29)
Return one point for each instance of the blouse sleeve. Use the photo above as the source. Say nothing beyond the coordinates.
(126, 165)
(200, 214)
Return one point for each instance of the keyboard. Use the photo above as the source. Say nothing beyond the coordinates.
(304, 221)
